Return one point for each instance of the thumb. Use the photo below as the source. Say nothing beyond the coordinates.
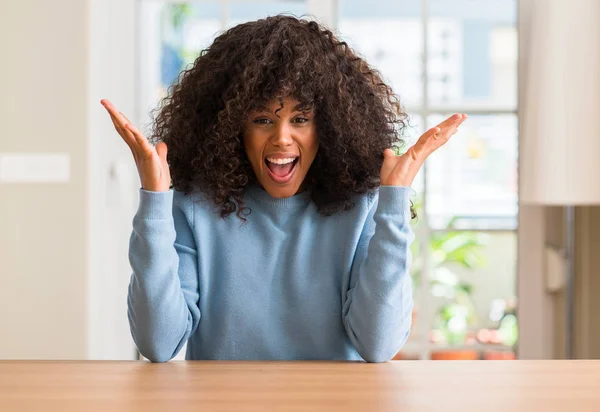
(161, 149)
(387, 153)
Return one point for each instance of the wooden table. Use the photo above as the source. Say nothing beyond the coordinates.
(508, 386)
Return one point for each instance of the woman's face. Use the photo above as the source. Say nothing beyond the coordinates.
(281, 144)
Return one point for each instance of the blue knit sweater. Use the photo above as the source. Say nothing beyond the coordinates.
(288, 284)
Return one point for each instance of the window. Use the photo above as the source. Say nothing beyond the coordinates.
(440, 57)
(174, 33)
(445, 57)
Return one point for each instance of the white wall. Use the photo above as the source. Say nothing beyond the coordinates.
(63, 247)
(535, 310)
(42, 226)
(113, 182)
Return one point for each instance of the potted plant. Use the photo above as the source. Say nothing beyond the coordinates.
(456, 315)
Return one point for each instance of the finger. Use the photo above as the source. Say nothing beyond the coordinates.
(450, 122)
(118, 126)
(421, 147)
(115, 114)
(435, 137)
(127, 136)
(133, 127)
(111, 109)
(144, 146)
(388, 153)
(161, 149)
(139, 136)
(132, 136)
(464, 117)
(125, 117)
(450, 125)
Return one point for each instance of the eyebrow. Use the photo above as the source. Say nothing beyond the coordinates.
(297, 108)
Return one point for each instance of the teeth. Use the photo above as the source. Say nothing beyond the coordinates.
(281, 161)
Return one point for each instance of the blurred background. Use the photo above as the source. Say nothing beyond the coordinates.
(497, 273)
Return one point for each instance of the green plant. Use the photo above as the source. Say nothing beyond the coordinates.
(448, 250)
(178, 13)
(503, 313)
(175, 56)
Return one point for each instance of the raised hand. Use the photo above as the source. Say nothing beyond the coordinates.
(401, 170)
(151, 161)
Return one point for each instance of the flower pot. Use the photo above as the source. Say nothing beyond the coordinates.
(499, 355)
(455, 355)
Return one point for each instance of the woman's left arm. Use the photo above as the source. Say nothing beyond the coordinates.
(378, 304)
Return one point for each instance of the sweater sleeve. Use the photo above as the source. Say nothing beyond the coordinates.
(163, 308)
(378, 304)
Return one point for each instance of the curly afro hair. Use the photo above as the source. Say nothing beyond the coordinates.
(357, 114)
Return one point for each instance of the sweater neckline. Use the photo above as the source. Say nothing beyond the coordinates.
(261, 195)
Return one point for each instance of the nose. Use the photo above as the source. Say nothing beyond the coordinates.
(282, 135)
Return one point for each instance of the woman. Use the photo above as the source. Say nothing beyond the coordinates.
(286, 231)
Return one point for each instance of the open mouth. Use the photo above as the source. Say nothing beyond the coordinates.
(281, 170)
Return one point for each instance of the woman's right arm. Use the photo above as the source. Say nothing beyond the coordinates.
(163, 307)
